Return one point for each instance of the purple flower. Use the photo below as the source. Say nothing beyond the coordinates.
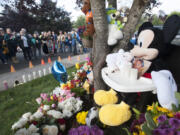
(177, 133)
(133, 128)
(142, 118)
(73, 131)
(175, 123)
(158, 132)
(96, 131)
(163, 126)
(169, 131)
(162, 118)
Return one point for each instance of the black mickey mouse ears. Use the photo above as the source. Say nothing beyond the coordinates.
(144, 26)
(171, 28)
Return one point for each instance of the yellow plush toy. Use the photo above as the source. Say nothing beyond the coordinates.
(114, 114)
(86, 86)
(102, 97)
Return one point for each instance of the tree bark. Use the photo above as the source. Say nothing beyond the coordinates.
(100, 47)
(135, 14)
(113, 3)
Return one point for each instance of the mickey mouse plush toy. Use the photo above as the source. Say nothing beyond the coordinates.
(153, 45)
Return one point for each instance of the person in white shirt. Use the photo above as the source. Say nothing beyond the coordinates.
(25, 45)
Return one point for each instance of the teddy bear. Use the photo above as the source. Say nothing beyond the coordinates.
(114, 26)
(86, 9)
(118, 61)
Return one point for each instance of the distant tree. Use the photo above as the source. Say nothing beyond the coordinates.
(174, 13)
(79, 22)
(156, 20)
(28, 14)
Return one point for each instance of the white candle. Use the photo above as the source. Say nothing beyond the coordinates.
(44, 71)
(34, 75)
(133, 74)
(50, 70)
(24, 78)
(40, 74)
(29, 77)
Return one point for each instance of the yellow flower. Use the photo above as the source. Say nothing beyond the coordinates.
(51, 97)
(164, 110)
(155, 119)
(149, 108)
(170, 114)
(141, 133)
(81, 117)
(134, 133)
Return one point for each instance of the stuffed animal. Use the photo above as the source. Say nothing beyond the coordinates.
(166, 88)
(153, 44)
(114, 114)
(92, 116)
(86, 9)
(50, 130)
(102, 97)
(117, 61)
(114, 26)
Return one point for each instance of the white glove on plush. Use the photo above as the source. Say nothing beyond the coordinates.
(166, 88)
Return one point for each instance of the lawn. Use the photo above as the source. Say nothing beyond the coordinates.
(16, 101)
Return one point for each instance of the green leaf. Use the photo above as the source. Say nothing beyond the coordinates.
(150, 122)
(146, 129)
(174, 108)
(177, 95)
(137, 112)
(127, 131)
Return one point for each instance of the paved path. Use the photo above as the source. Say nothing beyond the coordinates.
(28, 74)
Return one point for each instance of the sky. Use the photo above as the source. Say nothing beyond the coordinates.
(69, 5)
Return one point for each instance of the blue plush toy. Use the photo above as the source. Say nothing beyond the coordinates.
(59, 72)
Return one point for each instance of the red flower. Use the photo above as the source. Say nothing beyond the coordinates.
(61, 121)
(35, 123)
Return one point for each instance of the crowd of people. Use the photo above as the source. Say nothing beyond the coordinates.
(49, 43)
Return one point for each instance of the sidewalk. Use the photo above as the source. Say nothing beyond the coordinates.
(28, 74)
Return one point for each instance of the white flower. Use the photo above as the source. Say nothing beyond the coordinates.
(36, 115)
(46, 107)
(67, 113)
(22, 131)
(50, 130)
(55, 114)
(39, 100)
(32, 129)
(27, 115)
(22, 122)
(62, 127)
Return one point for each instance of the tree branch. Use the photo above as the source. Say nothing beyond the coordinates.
(100, 41)
(135, 14)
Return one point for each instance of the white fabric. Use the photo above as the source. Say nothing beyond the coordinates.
(117, 82)
(166, 88)
(25, 41)
(114, 34)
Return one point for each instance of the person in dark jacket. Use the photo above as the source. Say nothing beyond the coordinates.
(2, 56)
(10, 41)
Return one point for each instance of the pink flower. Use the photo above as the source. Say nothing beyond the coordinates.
(48, 99)
(44, 96)
(39, 100)
(55, 97)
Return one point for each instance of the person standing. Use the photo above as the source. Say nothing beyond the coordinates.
(25, 44)
(11, 44)
(44, 42)
(2, 56)
(33, 41)
(74, 45)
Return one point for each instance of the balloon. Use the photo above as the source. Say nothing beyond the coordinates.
(59, 72)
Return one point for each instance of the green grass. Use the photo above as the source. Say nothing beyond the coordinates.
(16, 101)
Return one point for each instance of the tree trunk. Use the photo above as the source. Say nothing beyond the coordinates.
(113, 3)
(100, 47)
(135, 14)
